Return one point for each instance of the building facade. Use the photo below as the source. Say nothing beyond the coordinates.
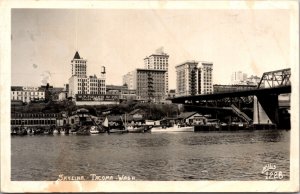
(205, 78)
(80, 83)
(34, 119)
(149, 84)
(187, 78)
(193, 78)
(159, 61)
(27, 94)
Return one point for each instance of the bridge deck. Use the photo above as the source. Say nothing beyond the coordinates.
(261, 91)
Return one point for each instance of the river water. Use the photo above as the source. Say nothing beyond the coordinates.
(158, 157)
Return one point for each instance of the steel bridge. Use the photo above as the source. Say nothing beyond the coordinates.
(263, 99)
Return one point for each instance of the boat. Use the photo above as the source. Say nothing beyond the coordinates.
(94, 130)
(135, 129)
(175, 128)
(46, 132)
(30, 131)
(73, 132)
(63, 131)
(55, 132)
(14, 132)
(118, 131)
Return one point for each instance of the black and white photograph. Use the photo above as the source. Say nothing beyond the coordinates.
(150, 96)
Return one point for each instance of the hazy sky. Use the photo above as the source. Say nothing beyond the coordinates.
(44, 41)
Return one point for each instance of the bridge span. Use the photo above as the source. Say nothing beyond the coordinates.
(263, 100)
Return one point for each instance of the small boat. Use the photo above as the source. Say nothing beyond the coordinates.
(47, 132)
(135, 129)
(175, 128)
(94, 130)
(62, 132)
(73, 132)
(14, 132)
(117, 131)
(55, 132)
(241, 124)
(30, 132)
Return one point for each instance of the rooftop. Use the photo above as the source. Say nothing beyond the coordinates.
(76, 56)
(157, 70)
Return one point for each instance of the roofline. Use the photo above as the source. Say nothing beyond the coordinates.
(159, 70)
(188, 62)
(164, 54)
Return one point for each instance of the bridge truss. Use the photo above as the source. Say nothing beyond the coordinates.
(277, 78)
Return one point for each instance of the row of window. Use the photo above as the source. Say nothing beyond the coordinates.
(33, 115)
(92, 92)
(159, 67)
(27, 93)
(33, 122)
(80, 62)
(26, 98)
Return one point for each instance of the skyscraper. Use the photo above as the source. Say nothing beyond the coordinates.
(187, 78)
(159, 61)
(149, 84)
(192, 79)
(205, 78)
(80, 83)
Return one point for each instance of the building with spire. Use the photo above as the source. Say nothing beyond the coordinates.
(81, 84)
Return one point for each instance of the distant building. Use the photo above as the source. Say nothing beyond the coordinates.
(159, 61)
(149, 84)
(27, 94)
(253, 80)
(238, 77)
(128, 80)
(192, 79)
(80, 83)
(122, 91)
(52, 93)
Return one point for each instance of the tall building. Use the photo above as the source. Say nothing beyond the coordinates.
(187, 78)
(80, 83)
(205, 78)
(192, 79)
(238, 77)
(149, 84)
(159, 61)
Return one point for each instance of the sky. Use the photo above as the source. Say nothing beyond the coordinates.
(44, 41)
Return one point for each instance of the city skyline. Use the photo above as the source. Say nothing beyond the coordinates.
(44, 42)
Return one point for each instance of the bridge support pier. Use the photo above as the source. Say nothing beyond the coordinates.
(266, 109)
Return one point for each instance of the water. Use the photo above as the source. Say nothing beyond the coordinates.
(159, 157)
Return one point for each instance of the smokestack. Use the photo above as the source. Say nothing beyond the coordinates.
(103, 70)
